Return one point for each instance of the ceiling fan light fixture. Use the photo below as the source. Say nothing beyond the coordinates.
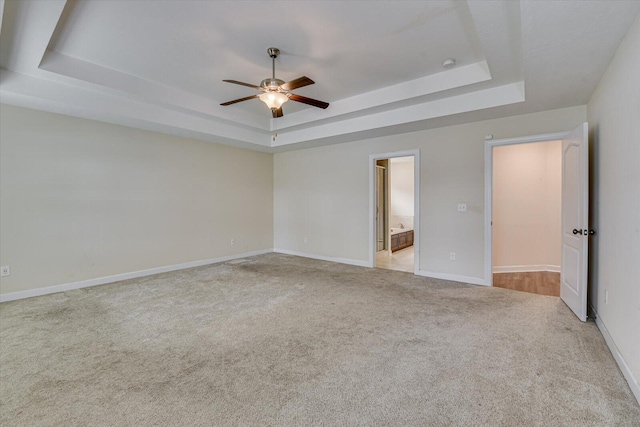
(274, 100)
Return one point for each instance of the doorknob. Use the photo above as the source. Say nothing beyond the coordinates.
(584, 232)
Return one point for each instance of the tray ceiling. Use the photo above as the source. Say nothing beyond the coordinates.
(160, 64)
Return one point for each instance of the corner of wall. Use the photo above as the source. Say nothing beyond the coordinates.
(614, 130)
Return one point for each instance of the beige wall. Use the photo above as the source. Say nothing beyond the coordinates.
(402, 185)
(323, 193)
(527, 202)
(82, 199)
(614, 120)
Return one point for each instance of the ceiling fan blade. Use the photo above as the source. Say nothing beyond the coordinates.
(235, 101)
(243, 84)
(309, 101)
(299, 82)
(277, 113)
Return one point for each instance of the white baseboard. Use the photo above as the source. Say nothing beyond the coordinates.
(12, 296)
(526, 268)
(453, 277)
(622, 364)
(445, 276)
(325, 258)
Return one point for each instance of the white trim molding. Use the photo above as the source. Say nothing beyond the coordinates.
(488, 190)
(622, 364)
(525, 268)
(454, 278)
(348, 261)
(12, 296)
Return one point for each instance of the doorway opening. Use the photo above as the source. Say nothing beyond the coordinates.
(526, 205)
(574, 218)
(394, 213)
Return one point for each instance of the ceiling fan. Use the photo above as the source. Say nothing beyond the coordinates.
(275, 92)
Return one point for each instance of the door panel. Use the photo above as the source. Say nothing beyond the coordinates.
(575, 216)
(571, 276)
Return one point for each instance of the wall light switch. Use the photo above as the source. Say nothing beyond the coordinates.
(233, 241)
(452, 256)
(5, 271)
(462, 207)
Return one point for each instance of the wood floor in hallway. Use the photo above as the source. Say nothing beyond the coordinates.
(534, 282)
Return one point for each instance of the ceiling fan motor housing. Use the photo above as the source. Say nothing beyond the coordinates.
(271, 84)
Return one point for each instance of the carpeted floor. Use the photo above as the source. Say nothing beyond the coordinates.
(282, 340)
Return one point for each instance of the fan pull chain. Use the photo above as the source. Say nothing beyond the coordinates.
(275, 134)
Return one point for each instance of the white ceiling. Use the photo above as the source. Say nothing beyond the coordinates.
(160, 64)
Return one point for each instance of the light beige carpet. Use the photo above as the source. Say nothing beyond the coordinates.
(281, 340)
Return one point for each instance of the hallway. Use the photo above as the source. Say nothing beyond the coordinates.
(534, 282)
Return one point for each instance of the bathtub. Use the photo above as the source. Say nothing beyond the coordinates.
(400, 230)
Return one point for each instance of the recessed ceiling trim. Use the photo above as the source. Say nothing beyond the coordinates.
(14, 84)
(37, 103)
(122, 84)
(499, 32)
(1, 13)
(481, 99)
(462, 76)
(137, 65)
(33, 24)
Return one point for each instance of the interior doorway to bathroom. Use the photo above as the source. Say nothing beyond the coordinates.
(395, 213)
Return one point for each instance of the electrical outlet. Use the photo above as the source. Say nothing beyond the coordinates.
(452, 256)
(462, 207)
(5, 271)
(233, 241)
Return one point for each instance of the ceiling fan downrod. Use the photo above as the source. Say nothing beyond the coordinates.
(272, 84)
(273, 54)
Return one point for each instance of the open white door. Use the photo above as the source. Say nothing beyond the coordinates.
(575, 220)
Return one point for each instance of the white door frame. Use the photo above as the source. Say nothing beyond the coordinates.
(416, 204)
(385, 202)
(488, 190)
